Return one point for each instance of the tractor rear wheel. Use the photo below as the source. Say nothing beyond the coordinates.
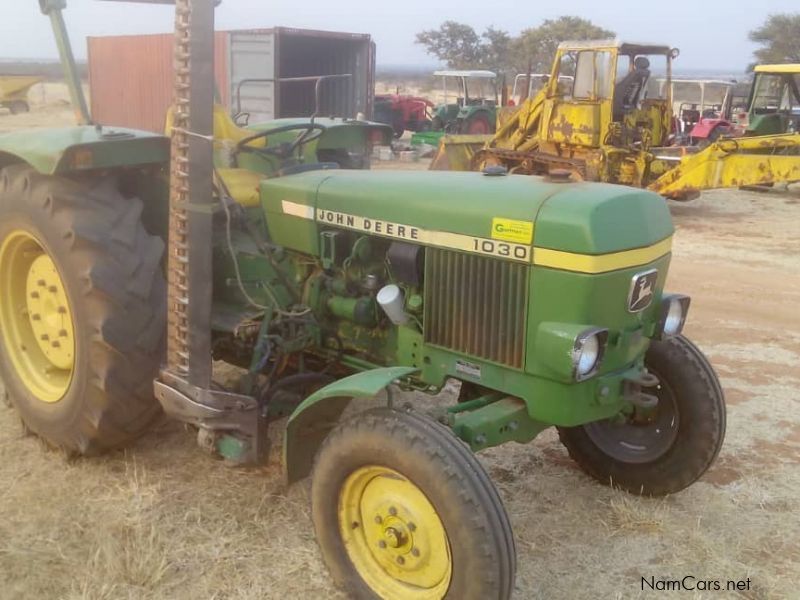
(666, 451)
(83, 309)
(403, 510)
(478, 125)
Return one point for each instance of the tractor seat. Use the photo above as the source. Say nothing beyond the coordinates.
(628, 91)
(225, 129)
(243, 184)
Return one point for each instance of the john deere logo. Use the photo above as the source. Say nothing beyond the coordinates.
(511, 230)
(643, 286)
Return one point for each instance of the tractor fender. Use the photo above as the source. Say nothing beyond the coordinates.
(317, 415)
(75, 149)
(468, 112)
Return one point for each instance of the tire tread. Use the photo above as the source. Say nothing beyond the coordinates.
(666, 476)
(460, 471)
(123, 287)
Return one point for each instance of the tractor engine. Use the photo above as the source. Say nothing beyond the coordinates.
(520, 286)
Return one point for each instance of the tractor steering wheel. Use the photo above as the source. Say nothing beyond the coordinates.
(310, 132)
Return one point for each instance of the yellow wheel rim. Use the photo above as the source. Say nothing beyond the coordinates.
(35, 317)
(394, 536)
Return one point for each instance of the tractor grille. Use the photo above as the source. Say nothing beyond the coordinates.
(476, 305)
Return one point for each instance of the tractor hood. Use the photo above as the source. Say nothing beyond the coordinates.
(472, 211)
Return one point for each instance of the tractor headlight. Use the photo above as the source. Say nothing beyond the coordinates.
(672, 316)
(588, 351)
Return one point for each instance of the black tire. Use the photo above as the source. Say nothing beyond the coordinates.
(437, 124)
(112, 277)
(19, 106)
(427, 454)
(684, 444)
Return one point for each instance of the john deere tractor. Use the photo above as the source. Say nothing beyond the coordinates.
(774, 103)
(474, 108)
(129, 262)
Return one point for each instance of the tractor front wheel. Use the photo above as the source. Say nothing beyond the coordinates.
(403, 510)
(82, 309)
(667, 449)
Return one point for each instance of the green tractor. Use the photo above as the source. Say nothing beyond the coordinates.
(129, 262)
(774, 103)
(474, 108)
